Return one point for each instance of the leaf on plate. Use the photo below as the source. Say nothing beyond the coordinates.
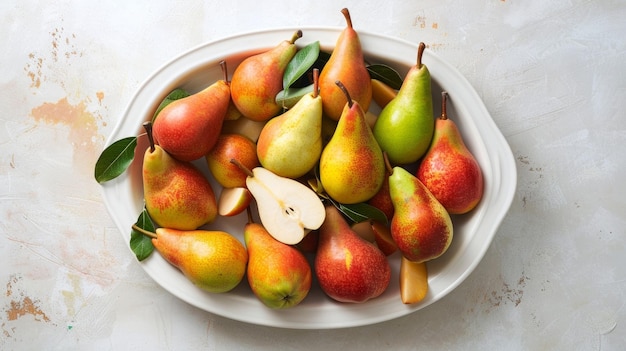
(289, 97)
(115, 159)
(176, 94)
(141, 244)
(300, 63)
(386, 75)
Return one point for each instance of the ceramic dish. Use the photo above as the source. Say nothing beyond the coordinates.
(474, 232)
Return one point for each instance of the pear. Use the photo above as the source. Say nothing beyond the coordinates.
(287, 208)
(413, 281)
(449, 170)
(215, 261)
(404, 128)
(382, 199)
(346, 64)
(258, 79)
(227, 147)
(290, 145)
(421, 226)
(352, 168)
(383, 238)
(189, 127)
(279, 274)
(177, 195)
(243, 126)
(348, 268)
(382, 93)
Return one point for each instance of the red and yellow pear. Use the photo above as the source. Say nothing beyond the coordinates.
(352, 168)
(214, 261)
(188, 128)
(177, 195)
(449, 170)
(349, 268)
(421, 226)
(346, 64)
(227, 147)
(279, 274)
(258, 79)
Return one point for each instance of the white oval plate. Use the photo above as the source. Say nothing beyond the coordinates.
(473, 232)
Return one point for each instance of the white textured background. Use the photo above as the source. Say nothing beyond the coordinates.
(551, 73)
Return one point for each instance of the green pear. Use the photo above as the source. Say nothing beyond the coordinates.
(290, 145)
(404, 128)
(348, 267)
(346, 64)
(287, 208)
(279, 274)
(188, 128)
(258, 79)
(215, 261)
(352, 167)
(177, 195)
(421, 226)
(449, 170)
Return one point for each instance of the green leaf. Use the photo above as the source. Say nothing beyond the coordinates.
(115, 159)
(386, 75)
(362, 212)
(289, 97)
(141, 244)
(176, 94)
(300, 63)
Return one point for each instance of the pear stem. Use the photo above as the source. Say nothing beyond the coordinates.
(144, 232)
(346, 14)
(224, 71)
(148, 127)
(444, 99)
(316, 84)
(297, 35)
(245, 169)
(420, 52)
(345, 91)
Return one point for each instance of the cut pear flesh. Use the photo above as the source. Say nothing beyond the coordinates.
(287, 208)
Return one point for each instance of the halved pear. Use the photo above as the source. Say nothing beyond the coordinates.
(233, 201)
(287, 208)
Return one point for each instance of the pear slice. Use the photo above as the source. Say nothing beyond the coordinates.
(233, 201)
(287, 208)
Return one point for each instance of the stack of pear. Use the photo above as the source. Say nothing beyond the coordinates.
(189, 127)
(449, 170)
(290, 145)
(404, 128)
(258, 79)
(279, 274)
(215, 261)
(177, 195)
(352, 168)
(346, 64)
(349, 268)
(421, 226)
